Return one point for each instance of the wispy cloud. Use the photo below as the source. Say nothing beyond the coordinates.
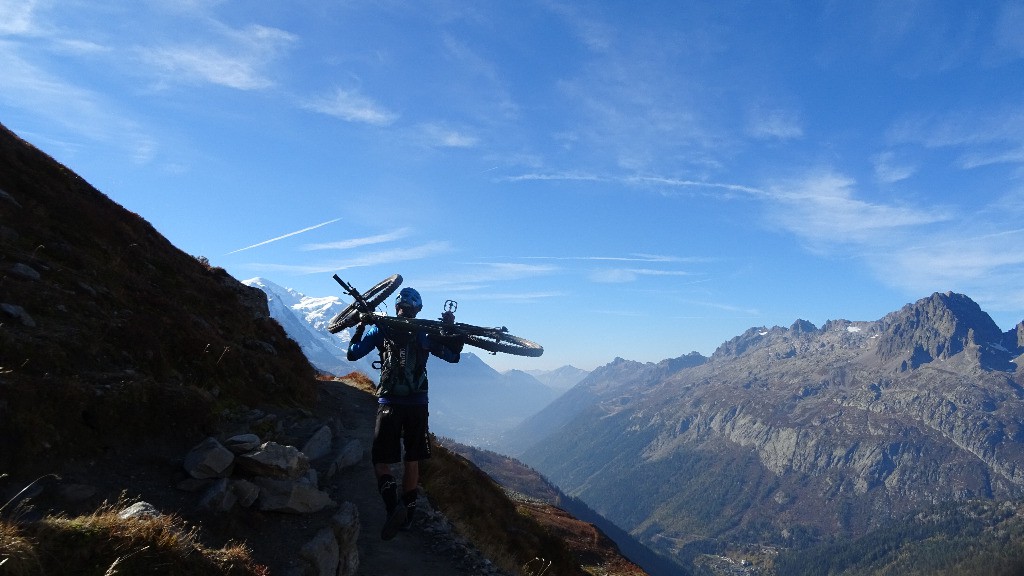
(554, 176)
(433, 134)
(1007, 31)
(17, 17)
(889, 170)
(619, 274)
(512, 297)
(594, 34)
(635, 180)
(282, 237)
(979, 159)
(727, 307)
(911, 248)
(351, 106)
(822, 208)
(681, 183)
(979, 265)
(490, 93)
(83, 112)
(78, 47)
(360, 242)
(631, 258)
(774, 124)
(982, 138)
(235, 58)
(481, 275)
(623, 275)
(380, 258)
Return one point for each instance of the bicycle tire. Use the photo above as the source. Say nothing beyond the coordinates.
(489, 339)
(349, 316)
(498, 340)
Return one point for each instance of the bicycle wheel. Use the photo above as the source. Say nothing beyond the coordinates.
(373, 297)
(499, 340)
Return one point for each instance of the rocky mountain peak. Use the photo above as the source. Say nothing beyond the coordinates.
(758, 337)
(803, 327)
(937, 327)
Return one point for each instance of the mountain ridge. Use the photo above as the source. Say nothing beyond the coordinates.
(785, 435)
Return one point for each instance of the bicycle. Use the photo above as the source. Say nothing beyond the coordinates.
(363, 309)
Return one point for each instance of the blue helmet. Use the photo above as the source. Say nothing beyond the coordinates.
(409, 298)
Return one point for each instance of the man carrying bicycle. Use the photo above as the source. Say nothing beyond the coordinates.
(402, 403)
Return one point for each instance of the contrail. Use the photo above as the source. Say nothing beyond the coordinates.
(285, 236)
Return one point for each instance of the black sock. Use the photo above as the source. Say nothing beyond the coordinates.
(409, 499)
(388, 488)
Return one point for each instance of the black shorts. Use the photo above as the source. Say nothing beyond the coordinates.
(398, 425)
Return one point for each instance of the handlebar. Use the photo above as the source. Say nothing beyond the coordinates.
(356, 296)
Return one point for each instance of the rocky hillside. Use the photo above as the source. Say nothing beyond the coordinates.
(789, 435)
(125, 362)
(103, 320)
(620, 379)
(581, 530)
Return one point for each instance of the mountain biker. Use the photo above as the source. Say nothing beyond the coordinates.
(402, 403)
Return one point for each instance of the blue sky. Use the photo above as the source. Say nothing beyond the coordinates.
(607, 178)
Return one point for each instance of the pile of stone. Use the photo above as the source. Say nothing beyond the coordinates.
(243, 471)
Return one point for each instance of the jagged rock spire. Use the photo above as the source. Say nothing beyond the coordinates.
(936, 327)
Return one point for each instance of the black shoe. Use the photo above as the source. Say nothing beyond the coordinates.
(394, 522)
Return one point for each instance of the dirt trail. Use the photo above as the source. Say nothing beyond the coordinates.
(409, 553)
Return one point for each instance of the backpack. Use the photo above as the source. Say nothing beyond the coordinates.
(403, 366)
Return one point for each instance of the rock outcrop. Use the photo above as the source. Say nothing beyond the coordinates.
(243, 471)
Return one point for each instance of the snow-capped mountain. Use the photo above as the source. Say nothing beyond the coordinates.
(305, 320)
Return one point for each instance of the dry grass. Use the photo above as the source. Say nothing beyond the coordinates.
(358, 380)
(105, 544)
(18, 555)
(479, 509)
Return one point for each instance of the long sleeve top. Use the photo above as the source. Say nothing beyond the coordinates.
(374, 337)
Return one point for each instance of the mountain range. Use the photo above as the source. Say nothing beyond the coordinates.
(469, 401)
(788, 437)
